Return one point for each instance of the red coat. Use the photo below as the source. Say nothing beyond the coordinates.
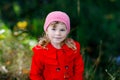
(56, 64)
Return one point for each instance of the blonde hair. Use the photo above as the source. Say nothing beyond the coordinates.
(44, 40)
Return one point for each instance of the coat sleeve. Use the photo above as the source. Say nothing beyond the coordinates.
(79, 65)
(36, 70)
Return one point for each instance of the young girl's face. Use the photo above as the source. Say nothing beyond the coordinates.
(56, 32)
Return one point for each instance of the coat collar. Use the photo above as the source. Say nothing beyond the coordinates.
(64, 47)
(51, 52)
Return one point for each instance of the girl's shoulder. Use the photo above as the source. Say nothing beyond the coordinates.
(77, 43)
(73, 44)
(37, 49)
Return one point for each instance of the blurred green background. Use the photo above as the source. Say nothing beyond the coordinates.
(94, 23)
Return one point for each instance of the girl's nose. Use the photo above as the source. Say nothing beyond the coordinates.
(57, 32)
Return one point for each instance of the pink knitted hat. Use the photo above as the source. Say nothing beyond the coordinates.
(57, 16)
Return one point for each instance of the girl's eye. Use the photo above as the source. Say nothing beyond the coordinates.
(53, 29)
(62, 30)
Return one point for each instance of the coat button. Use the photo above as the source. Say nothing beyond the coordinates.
(66, 67)
(57, 69)
(66, 76)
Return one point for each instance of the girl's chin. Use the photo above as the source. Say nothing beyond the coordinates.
(56, 42)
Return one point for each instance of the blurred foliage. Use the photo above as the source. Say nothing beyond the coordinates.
(15, 52)
(94, 23)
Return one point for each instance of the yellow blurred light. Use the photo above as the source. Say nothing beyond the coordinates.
(2, 36)
(22, 24)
